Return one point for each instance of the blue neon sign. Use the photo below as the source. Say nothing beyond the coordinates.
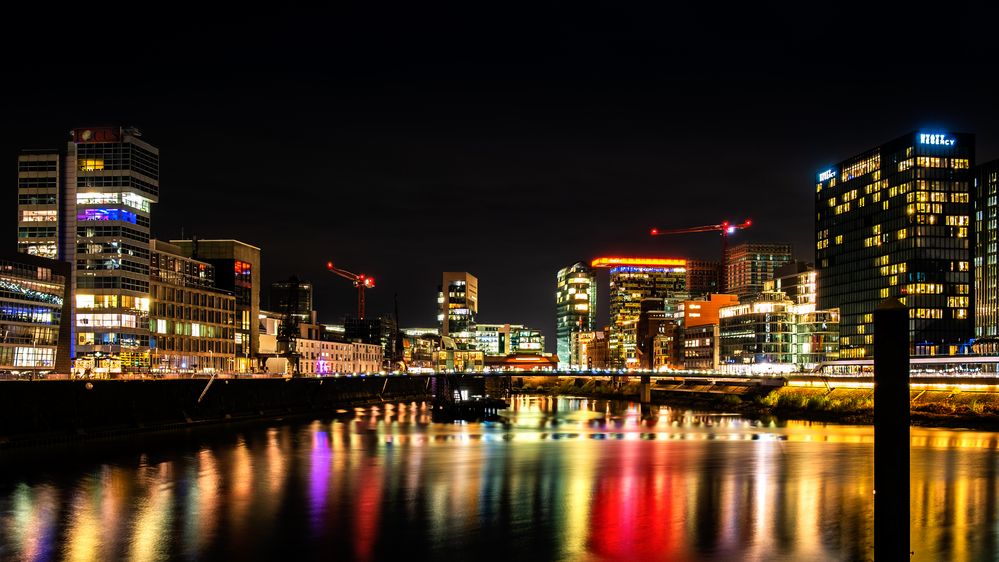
(827, 175)
(106, 215)
(939, 139)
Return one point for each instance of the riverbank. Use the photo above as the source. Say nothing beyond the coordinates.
(38, 413)
(930, 408)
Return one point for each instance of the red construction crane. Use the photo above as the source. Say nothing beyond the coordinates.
(361, 281)
(726, 229)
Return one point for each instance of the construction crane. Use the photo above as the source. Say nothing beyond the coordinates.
(360, 280)
(725, 228)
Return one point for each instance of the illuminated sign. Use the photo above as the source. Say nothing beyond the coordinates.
(106, 215)
(937, 139)
(827, 175)
(640, 262)
(97, 134)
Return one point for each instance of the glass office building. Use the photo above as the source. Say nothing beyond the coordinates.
(113, 177)
(750, 265)
(575, 309)
(34, 315)
(986, 300)
(457, 305)
(631, 281)
(895, 222)
(237, 270)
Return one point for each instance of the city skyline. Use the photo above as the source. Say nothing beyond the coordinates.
(569, 145)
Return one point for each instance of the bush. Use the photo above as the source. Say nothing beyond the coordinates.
(790, 402)
(817, 403)
(731, 400)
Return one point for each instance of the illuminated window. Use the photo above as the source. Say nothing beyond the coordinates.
(38, 216)
(839, 239)
(957, 302)
(90, 165)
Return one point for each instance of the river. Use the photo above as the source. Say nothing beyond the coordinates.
(556, 479)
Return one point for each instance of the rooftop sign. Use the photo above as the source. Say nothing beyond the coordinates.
(939, 139)
(638, 262)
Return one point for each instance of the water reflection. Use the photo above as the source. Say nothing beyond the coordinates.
(557, 478)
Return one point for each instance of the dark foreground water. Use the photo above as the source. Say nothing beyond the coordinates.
(593, 481)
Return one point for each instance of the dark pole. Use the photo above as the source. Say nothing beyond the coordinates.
(891, 431)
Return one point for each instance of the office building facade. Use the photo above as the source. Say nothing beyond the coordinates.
(631, 281)
(457, 306)
(377, 330)
(575, 308)
(895, 222)
(750, 265)
(293, 297)
(986, 209)
(237, 270)
(89, 205)
(700, 341)
(190, 321)
(40, 204)
(702, 278)
(113, 177)
(758, 333)
(34, 315)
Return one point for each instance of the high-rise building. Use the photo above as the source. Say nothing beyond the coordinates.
(457, 305)
(702, 277)
(237, 269)
(112, 176)
(292, 297)
(986, 297)
(575, 308)
(631, 281)
(191, 322)
(750, 265)
(34, 314)
(894, 222)
(89, 205)
(40, 202)
(652, 323)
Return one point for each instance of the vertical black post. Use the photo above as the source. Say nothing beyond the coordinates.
(891, 431)
(645, 389)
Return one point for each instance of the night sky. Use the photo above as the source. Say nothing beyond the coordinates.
(403, 142)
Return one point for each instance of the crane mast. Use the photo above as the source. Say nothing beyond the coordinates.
(360, 281)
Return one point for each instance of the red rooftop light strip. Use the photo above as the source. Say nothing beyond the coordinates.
(639, 262)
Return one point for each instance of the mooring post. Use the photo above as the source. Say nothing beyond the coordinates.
(891, 431)
(645, 389)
